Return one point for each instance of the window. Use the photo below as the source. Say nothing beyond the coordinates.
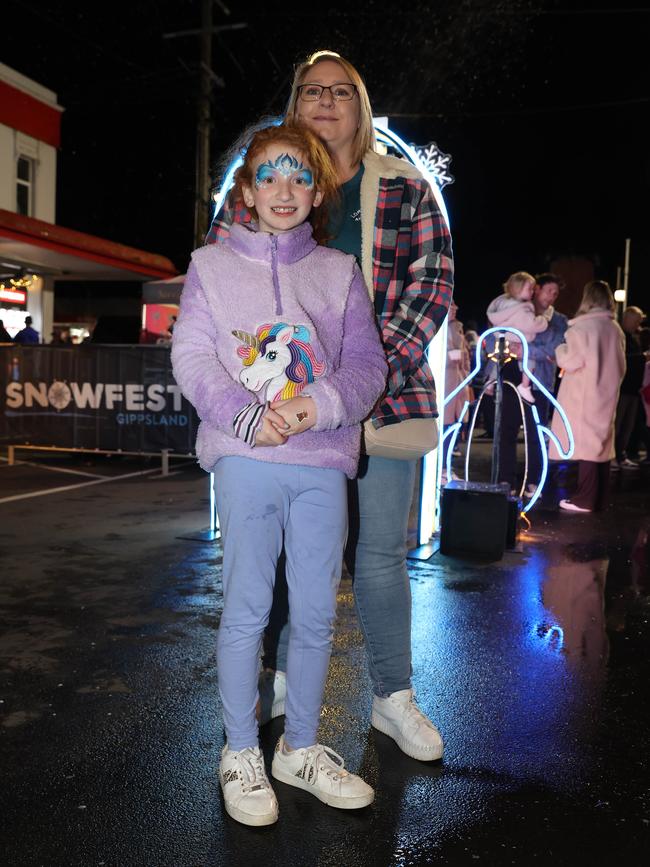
(24, 186)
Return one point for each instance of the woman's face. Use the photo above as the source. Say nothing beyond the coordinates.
(335, 122)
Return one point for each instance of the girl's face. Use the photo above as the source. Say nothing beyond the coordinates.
(524, 292)
(335, 121)
(283, 191)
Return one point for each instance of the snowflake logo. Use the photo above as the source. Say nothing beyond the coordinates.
(436, 162)
(59, 395)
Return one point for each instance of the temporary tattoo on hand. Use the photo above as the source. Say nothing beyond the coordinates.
(301, 415)
(286, 165)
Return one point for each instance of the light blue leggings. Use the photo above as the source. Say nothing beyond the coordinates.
(379, 504)
(261, 506)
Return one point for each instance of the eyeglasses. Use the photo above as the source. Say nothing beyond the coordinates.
(339, 92)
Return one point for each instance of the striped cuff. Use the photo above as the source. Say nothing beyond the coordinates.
(248, 421)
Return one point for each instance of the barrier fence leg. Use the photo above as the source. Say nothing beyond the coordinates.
(11, 455)
(165, 461)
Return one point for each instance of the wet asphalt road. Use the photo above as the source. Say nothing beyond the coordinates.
(535, 668)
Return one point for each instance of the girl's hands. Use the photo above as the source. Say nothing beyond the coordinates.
(298, 413)
(271, 432)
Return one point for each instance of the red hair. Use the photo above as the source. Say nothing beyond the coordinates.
(312, 150)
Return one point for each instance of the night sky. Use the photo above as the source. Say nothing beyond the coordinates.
(542, 105)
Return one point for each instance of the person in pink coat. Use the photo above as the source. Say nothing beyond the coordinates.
(457, 366)
(456, 369)
(592, 361)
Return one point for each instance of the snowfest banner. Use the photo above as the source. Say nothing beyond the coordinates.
(94, 396)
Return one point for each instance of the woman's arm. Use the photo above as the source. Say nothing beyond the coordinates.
(347, 395)
(231, 212)
(571, 355)
(427, 290)
(204, 381)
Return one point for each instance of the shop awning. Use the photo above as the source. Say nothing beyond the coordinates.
(65, 254)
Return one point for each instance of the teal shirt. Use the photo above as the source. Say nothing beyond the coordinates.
(345, 221)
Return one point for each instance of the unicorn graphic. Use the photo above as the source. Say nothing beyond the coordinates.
(278, 360)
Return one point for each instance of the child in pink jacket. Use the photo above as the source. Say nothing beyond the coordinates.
(515, 309)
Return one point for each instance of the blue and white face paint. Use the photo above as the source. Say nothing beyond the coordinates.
(287, 166)
(283, 191)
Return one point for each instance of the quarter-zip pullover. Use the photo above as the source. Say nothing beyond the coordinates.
(269, 317)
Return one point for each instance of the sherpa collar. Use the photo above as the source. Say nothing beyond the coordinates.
(248, 241)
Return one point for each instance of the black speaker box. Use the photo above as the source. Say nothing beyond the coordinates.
(474, 520)
(514, 510)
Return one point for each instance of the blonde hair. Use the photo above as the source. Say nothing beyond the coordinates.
(516, 281)
(596, 296)
(364, 139)
(314, 152)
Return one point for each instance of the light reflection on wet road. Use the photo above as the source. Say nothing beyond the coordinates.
(534, 668)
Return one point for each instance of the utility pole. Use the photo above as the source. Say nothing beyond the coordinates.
(202, 180)
(207, 78)
(626, 268)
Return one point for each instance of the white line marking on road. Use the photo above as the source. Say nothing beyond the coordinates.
(60, 470)
(80, 485)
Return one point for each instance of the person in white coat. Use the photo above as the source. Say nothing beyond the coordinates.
(592, 361)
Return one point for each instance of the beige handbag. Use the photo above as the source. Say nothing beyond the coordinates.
(407, 440)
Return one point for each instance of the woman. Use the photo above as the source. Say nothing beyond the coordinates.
(592, 361)
(456, 369)
(389, 219)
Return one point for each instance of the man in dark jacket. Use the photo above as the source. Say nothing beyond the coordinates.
(28, 335)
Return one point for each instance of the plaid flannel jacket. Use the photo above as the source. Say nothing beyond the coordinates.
(407, 263)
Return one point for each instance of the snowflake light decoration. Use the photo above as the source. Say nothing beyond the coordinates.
(436, 162)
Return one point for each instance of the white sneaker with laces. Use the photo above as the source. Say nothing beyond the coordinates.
(526, 393)
(272, 689)
(568, 506)
(247, 793)
(399, 717)
(319, 771)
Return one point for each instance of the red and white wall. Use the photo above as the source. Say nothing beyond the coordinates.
(30, 134)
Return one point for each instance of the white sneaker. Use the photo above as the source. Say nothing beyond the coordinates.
(526, 393)
(319, 771)
(568, 506)
(247, 793)
(627, 464)
(399, 717)
(272, 688)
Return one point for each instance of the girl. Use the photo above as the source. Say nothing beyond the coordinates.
(593, 361)
(277, 348)
(515, 308)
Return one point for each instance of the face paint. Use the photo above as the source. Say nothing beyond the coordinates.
(287, 166)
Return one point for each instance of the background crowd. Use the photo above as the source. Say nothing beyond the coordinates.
(598, 369)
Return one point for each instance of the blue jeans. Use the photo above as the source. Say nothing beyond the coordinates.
(261, 504)
(379, 501)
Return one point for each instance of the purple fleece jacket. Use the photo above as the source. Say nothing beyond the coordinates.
(268, 316)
